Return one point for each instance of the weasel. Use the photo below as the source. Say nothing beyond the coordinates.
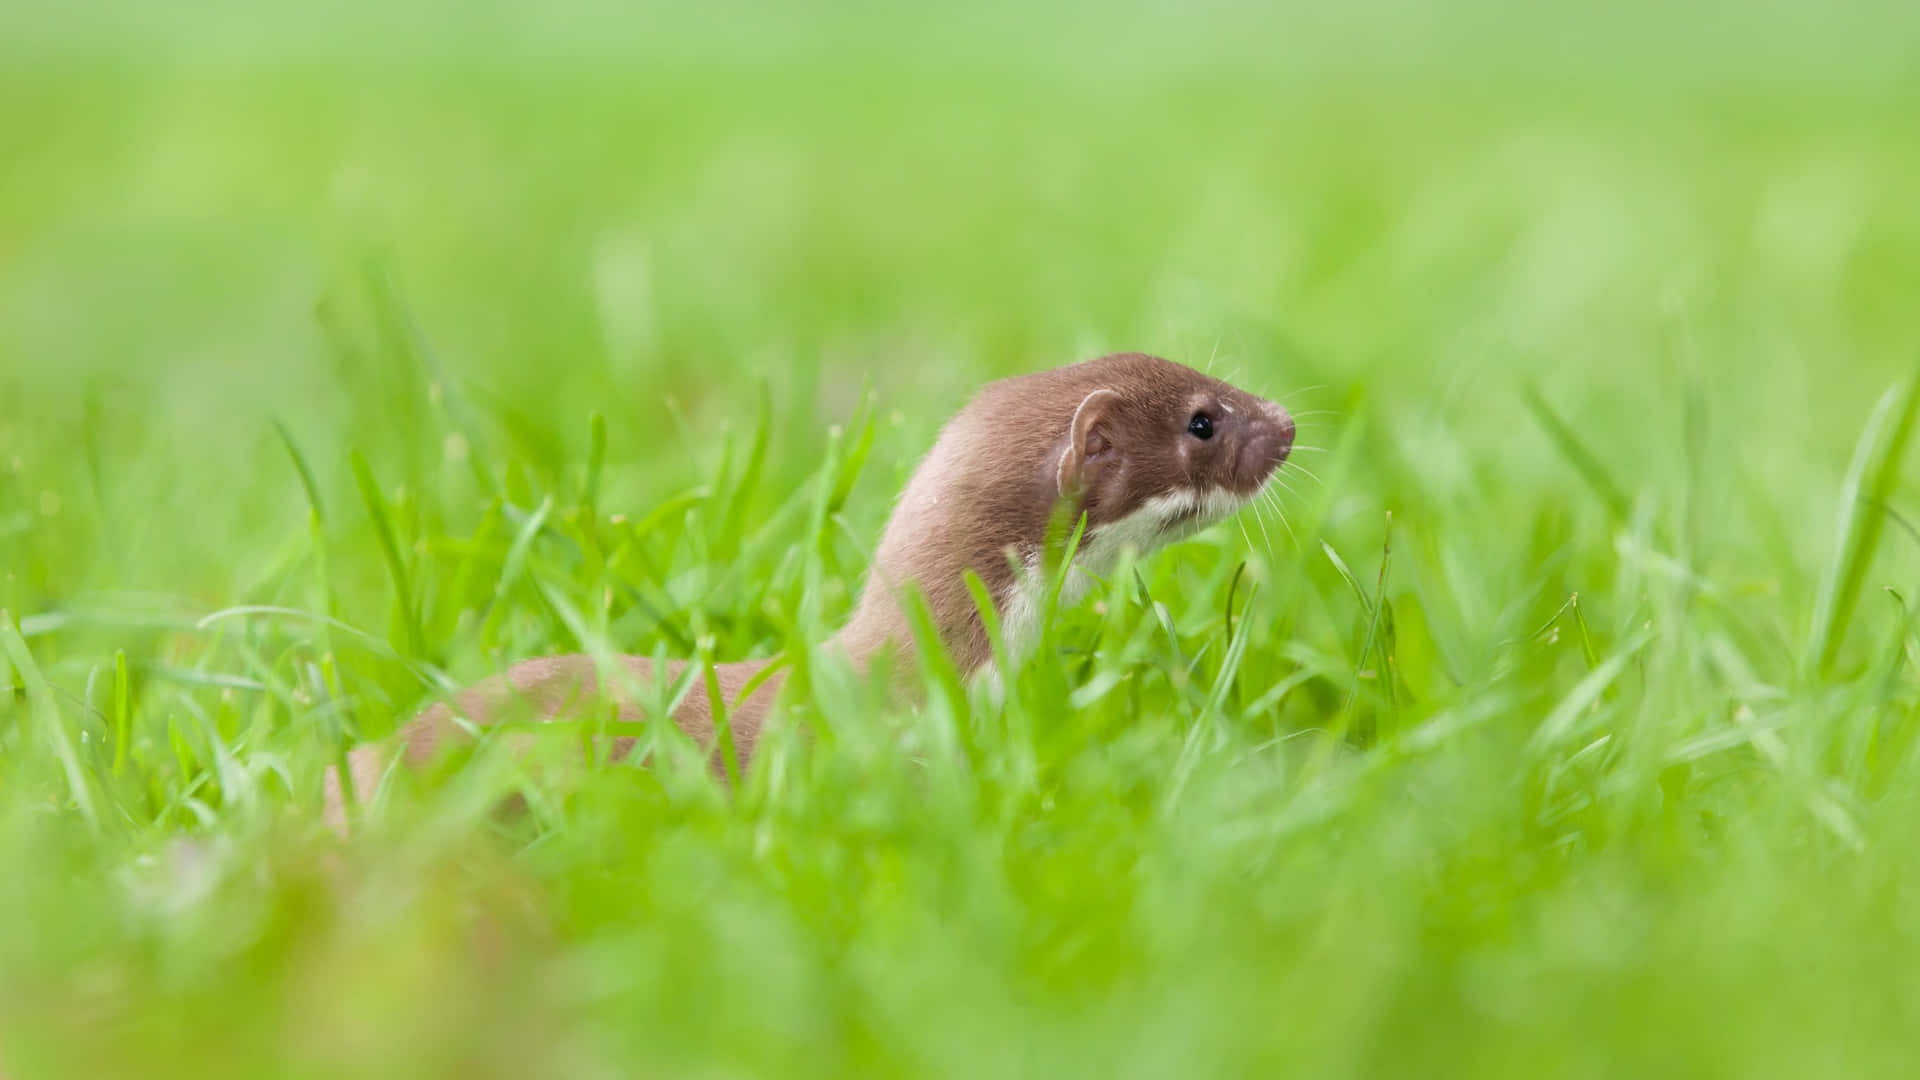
(1149, 451)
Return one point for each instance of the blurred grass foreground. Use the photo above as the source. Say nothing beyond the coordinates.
(1565, 727)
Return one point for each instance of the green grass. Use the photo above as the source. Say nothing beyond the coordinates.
(1566, 727)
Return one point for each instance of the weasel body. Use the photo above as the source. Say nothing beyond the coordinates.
(1150, 451)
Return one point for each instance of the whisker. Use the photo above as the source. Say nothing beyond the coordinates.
(1287, 525)
(1261, 520)
(1260, 514)
(1272, 497)
(1310, 474)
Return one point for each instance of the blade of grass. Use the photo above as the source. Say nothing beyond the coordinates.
(855, 460)
(722, 718)
(46, 713)
(937, 667)
(1232, 587)
(828, 491)
(427, 673)
(307, 482)
(390, 547)
(122, 712)
(1353, 582)
(1061, 565)
(668, 508)
(1870, 480)
(513, 566)
(9, 686)
(1584, 461)
(1162, 616)
(730, 527)
(1003, 673)
(664, 695)
(404, 338)
(989, 622)
(316, 528)
(1371, 642)
(1565, 716)
(1587, 650)
(775, 665)
(1230, 663)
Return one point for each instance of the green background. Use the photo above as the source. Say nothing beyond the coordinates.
(457, 333)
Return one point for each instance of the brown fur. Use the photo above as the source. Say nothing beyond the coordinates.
(550, 687)
(1107, 435)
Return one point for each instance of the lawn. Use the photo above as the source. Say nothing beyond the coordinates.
(1558, 717)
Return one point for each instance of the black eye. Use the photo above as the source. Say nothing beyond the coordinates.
(1200, 427)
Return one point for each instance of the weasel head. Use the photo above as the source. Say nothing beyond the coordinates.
(1157, 451)
(1150, 451)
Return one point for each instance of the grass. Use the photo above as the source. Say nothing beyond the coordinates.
(1566, 726)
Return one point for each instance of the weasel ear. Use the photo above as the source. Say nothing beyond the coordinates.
(1089, 439)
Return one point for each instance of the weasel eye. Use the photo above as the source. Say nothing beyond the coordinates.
(1200, 427)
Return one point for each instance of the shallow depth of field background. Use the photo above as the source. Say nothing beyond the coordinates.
(1565, 726)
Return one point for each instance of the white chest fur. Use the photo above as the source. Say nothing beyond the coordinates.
(1158, 522)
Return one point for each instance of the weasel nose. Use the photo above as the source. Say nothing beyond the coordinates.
(1268, 442)
(1284, 421)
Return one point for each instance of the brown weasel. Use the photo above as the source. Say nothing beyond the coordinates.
(1150, 451)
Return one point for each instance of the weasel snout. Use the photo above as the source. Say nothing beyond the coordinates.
(1283, 421)
(1269, 439)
